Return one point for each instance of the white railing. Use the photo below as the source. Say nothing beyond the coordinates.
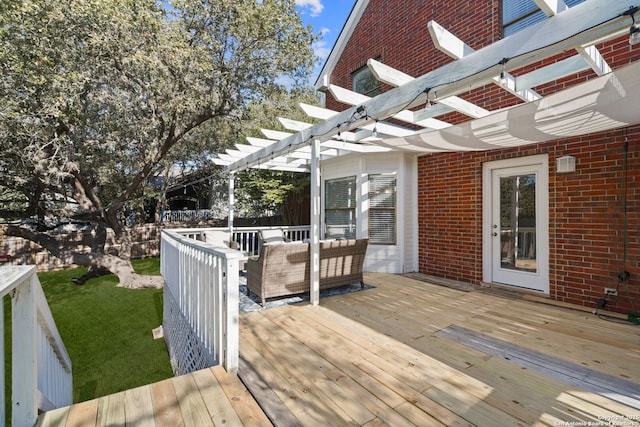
(201, 307)
(41, 367)
(189, 215)
(247, 237)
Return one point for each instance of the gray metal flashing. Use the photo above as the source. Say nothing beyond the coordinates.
(609, 386)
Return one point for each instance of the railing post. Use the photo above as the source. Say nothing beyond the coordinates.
(232, 317)
(314, 276)
(24, 351)
(231, 202)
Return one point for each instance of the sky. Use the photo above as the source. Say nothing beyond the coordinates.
(326, 17)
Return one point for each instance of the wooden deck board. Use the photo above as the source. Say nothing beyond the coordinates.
(111, 410)
(165, 405)
(192, 406)
(138, 407)
(83, 414)
(242, 402)
(375, 358)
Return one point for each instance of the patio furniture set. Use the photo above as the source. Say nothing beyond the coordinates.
(283, 267)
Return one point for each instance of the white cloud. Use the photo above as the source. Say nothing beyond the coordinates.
(320, 47)
(316, 6)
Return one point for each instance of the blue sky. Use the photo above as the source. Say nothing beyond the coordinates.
(326, 17)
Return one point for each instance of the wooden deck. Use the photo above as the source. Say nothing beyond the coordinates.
(379, 357)
(393, 355)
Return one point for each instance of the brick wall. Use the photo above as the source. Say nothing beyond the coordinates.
(396, 33)
(586, 207)
(586, 216)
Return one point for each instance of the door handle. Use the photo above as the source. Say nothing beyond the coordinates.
(494, 234)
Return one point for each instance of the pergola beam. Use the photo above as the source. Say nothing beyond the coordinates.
(260, 142)
(552, 72)
(317, 112)
(396, 78)
(551, 7)
(448, 43)
(275, 134)
(358, 148)
(591, 54)
(579, 26)
(382, 127)
(294, 125)
(247, 148)
(350, 97)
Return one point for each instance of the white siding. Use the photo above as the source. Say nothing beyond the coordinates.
(401, 257)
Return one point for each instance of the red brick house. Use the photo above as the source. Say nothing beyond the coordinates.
(496, 144)
(592, 213)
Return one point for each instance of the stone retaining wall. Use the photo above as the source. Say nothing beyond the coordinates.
(146, 244)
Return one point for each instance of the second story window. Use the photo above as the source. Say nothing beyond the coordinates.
(365, 82)
(519, 14)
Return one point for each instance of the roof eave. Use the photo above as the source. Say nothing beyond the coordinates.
(357, 10)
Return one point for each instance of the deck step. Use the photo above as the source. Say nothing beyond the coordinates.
(210, 396)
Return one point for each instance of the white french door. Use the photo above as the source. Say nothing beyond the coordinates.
(516, 222)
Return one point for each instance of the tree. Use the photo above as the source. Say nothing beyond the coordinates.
(262, 192)
(99, 96)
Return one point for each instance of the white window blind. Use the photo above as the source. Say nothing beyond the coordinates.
(382, 209)
(340, 208)
(519, 14)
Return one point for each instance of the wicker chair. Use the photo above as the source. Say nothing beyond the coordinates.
(281, 269)
(284, 268)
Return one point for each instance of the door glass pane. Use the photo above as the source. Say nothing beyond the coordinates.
(518, 223)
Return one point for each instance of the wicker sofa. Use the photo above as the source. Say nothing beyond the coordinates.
(283, 268)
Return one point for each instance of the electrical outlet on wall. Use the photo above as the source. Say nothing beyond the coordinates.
(610, 291)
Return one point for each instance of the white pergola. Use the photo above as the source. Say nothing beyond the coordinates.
(609, 101)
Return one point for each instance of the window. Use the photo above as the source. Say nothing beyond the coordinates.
(340, 208)
(519, 14)
(382, 209)
(365, 82)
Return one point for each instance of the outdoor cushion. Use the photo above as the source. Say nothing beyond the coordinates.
(268, 236)
(220, 238)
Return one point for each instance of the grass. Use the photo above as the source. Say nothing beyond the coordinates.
(107, 330)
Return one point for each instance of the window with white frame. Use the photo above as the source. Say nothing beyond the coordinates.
(519, 14)
(340, 208)
(382, 209)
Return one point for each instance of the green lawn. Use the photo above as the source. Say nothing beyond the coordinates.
(107, 330)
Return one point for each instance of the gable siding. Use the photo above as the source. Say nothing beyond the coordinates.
(586, 219)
